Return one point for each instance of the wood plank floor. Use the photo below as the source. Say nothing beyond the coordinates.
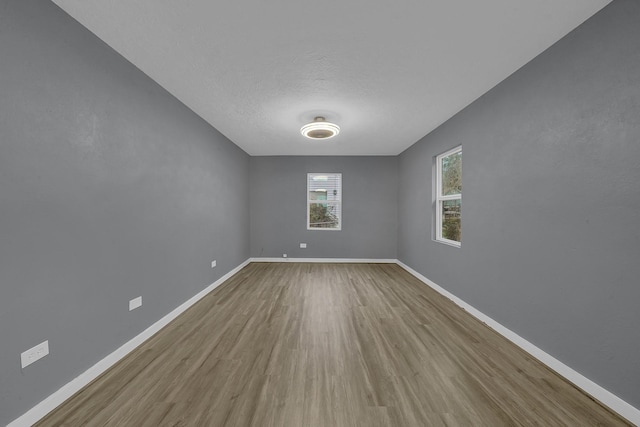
(328, 345)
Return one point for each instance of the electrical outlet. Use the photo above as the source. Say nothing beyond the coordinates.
(34, 353)
(135, 303)
(213, 263)
(303, 245)
(284, 255)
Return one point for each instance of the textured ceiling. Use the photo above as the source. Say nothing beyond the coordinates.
(388, 72)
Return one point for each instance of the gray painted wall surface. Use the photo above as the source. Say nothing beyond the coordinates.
(278, 207)
(551, 202)
(109, 189)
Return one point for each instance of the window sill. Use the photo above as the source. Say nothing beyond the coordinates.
(449, 243)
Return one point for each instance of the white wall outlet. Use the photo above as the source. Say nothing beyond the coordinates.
(303, 245)
(35, 353)
(213, 263)
(135, 303)
(284, 255)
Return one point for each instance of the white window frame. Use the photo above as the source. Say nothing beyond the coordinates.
(440, 198)
(331, 202)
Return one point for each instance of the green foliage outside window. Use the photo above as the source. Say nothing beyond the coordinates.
(321, 217)
(452, 174)
(451, 186)
(451, 226)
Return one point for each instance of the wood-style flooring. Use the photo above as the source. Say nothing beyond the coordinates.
(328, 345)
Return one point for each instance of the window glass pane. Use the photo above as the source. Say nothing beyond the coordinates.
(451, 226)
(324, 197)
(320, 194)
(452, 174)
(324, 215)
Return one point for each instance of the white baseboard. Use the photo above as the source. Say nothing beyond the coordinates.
(599, 393)
(328, 260)
(50, 403)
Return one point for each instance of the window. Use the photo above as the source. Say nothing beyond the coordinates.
(324, 201)
(449, 196)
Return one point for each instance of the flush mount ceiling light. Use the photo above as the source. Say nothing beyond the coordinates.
(319, 128)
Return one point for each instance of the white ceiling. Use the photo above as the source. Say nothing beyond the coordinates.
(388, 72)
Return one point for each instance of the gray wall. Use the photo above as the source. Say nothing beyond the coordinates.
(551, 202)
(278, 207)
(109, 189)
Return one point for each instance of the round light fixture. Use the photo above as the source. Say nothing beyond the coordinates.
(319, 128)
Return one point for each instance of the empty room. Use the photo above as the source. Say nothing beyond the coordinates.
(293, 213)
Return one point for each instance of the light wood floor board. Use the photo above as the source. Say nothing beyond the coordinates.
(290, 344)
